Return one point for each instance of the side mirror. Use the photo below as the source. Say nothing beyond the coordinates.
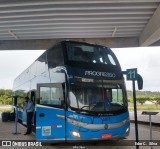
(140, 81)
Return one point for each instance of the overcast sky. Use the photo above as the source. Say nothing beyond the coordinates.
(146, 60)
(12, 63)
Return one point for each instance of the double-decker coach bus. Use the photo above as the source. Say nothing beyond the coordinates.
(79, 93)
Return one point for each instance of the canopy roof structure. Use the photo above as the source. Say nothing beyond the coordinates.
(41, 22)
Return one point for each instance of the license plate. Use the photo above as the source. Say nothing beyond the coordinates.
(105, 136)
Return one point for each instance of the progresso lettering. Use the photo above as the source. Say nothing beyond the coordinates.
(100, 74)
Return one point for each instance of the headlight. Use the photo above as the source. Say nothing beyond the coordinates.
(75, 134)
(127, 130)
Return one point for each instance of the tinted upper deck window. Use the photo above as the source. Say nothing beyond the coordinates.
(90, 53)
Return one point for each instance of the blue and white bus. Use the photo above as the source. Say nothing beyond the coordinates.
(79, 93)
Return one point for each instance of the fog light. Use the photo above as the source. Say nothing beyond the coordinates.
(127, 130)
(75, 134)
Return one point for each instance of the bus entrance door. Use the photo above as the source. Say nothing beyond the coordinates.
(50, 113)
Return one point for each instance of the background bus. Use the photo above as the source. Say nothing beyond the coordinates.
(79, 93)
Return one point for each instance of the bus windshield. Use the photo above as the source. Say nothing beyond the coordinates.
(90, 54)
(98, 97)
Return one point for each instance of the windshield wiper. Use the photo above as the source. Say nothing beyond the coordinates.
(84, 107)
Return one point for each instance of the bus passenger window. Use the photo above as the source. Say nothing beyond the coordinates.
(50, 96)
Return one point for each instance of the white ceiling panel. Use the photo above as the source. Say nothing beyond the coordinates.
(39, 19)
